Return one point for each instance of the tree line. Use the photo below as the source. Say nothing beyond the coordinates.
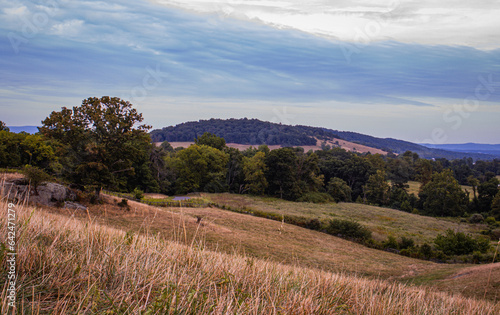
(103, 144)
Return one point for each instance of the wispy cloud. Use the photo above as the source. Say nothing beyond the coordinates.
(428, 22)
(75, 49)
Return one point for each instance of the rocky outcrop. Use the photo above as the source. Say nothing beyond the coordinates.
(48, 193)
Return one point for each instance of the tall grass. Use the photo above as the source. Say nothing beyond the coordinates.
(69, 266)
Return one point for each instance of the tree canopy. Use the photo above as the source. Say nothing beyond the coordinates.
(443, 196)
(103, 146)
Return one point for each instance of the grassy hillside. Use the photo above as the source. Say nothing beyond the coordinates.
(381, 221)
(82, 263)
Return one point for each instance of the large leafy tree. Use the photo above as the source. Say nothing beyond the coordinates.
(235, 176)
(339, 190)
(102, 142)
(443, 196)
(200, 168)
(255, 169)
(3, 126)
(281, 174)
(377, 189)
(211, 140)
(486, 193)
(495, 206)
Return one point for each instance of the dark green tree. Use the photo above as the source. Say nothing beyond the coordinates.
(255, 170)
(339, 190)
(355, 172)
(486, 192)
(200, 168)
(281, 174)
(377, 189)
(103, 147)
(235, 177)
(166, 146)
(399, 172)
(495, 206)
(3, 126)
(211, 140)
(443, 196)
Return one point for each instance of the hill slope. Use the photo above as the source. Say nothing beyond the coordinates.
(256, 132)
(72, 263)
(491, 149)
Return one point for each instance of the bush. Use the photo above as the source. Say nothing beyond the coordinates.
(316, 197)
(460, 244)
(36, 176)
(490, 221)
(123, 203)
(348, 229)
(476, 218)
(313, 224)
(425, 250)
(406, 243)
(390, 243)
(138, 194)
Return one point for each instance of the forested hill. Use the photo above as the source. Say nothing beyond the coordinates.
(242, 131)
(256, 132)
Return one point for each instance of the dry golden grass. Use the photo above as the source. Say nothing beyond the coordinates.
(68, 265)
(346, 145)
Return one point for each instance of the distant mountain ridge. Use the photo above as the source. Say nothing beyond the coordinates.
(28, 129)
(493, 149)
(256, 132)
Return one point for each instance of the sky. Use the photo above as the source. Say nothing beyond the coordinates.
(421, 71)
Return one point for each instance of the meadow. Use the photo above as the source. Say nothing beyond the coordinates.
(383, 222)
(79, 263)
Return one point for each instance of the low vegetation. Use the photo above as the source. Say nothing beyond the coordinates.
(69, 266)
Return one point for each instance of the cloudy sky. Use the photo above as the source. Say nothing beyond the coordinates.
(423, 71)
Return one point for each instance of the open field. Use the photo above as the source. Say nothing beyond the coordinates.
(260, 238)
(381, 221)
(346, 145)
(71, 262)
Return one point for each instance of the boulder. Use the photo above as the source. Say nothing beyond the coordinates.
(48, 193)
(74, 205)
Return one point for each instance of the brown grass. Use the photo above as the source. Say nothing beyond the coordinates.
(346, 145)
(68, 265)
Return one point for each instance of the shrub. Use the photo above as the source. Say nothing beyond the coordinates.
(390, 243)
(406, 243)
(123, 203)
(476, 218)
(138, 194)
(313, 224)
(425, 250)
(490, 221)
(348, 229)
(460, 244)
(316, 197)
(36, 176)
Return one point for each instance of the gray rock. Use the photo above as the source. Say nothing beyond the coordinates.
(48, 193)
(74, 205)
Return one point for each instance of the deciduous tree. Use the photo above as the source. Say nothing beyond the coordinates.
(102, 141)
(255, 173)
(443, 196)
